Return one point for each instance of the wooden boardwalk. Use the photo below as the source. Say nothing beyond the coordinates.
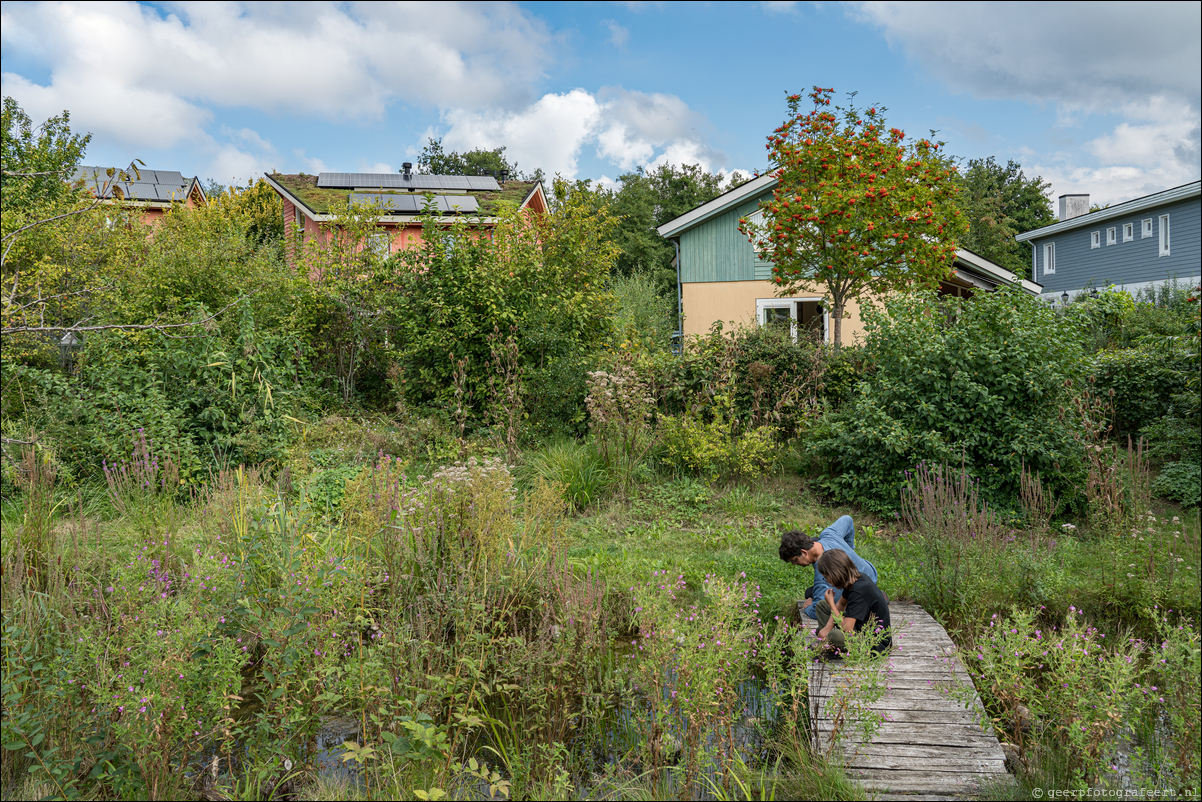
(930, 745)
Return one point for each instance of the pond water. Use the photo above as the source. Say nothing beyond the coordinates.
(613, 755)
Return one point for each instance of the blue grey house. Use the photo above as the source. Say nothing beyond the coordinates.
(1134, 245)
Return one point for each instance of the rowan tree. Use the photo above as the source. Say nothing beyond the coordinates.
(857, 207)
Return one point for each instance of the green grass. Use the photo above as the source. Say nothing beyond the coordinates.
(684, 526)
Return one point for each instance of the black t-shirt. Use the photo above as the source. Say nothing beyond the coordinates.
(864, 598)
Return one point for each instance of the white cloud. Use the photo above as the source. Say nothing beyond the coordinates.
(234, 166)
(548, 134)
(629, 129)
(312, 165)
(144, 77)
(375, 167)
(618, 36)
(1051, 51)
(1137, 62)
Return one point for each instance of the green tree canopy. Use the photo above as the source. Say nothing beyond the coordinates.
(37, 163)
(437, 160)
(999, 203)
(647, 200)
(856, 209)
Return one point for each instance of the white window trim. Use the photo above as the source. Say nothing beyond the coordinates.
(1112, 236)
(300, 216)
(1145, 228)
(1164, 235)
(1049, 258)
(1095, 239)
(764, 304)
(1128, 232)
(380, 243)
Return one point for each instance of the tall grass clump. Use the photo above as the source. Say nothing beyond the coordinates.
(577, 467)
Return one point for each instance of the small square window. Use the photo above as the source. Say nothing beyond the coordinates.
(380, 245)
(1164, 235)
(1146, 228)
(1095, 239)
(1128, 232)
(1111, 236)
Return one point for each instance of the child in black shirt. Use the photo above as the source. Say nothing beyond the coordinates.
(863, 604)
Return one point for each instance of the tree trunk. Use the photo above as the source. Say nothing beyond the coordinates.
(837, 306)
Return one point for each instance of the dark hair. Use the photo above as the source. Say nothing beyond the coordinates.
(793, 543)
(838, 569)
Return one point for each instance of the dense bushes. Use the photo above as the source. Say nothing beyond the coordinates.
(979, 384)
(1144, 381)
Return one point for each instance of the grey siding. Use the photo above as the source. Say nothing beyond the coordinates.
(716, 250)
(1125, 263)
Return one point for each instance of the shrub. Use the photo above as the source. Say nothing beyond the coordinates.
(1144, 381)
(976, 384)
(711, 450)
(555, 396)
(1180, 481)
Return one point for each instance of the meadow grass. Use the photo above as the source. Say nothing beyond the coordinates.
(435, 606)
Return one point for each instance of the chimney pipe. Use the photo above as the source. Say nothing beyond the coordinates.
(504, 176)
(406, 169)
(1073, 206)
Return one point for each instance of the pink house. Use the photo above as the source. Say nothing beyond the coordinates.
(311, 200)
(153, 192)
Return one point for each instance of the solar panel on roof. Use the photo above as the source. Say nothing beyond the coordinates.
(477, 183)
(412, 204)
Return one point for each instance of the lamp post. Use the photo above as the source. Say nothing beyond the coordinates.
(69, 347)
(1064, 298)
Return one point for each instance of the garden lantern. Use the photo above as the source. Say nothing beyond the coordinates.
(70, 346)
(1064, 298)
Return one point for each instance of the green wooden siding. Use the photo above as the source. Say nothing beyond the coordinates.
(716, 250)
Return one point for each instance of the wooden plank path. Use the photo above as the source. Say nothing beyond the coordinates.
(930, 745)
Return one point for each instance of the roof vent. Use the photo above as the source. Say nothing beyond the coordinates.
(407, 170)
(1073, 206)
(504, 176)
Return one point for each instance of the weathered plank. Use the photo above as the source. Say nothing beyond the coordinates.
(930, 746)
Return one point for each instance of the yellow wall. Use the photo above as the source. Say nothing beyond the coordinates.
(733, 302)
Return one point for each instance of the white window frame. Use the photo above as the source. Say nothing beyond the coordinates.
(1146, 228)
(1128, 232)
(1095, 239)
(1049, 258)
(762, 305)
(380, 243)
(1164, 235)
(300, 217)
(1112, 236)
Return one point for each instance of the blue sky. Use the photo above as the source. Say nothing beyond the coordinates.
(1105, 102)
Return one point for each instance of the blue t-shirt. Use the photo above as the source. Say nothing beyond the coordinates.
(839, 536)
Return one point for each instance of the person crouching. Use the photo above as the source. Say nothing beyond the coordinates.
(863, 604)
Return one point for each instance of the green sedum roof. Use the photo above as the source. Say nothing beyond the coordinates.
(321, 200)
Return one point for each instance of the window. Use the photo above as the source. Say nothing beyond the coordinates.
(1049, 258)
(1164, 235)
(1128, 232)
(1146, 228)
(300, 217)
(380, 245)
(807, 315)
(1111, 238)
(1095, 239)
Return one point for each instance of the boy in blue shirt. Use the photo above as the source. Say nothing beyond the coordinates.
(799, 549)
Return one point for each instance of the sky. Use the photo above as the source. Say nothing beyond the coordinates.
(1102, 98)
